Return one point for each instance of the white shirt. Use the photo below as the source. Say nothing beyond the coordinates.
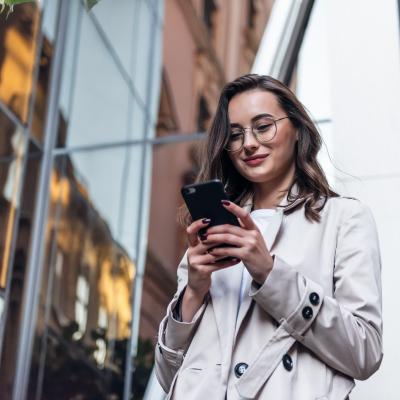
(262, 218)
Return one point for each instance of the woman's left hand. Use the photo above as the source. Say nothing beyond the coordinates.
(249, 243)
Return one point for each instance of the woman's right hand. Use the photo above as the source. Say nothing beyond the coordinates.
(201, 265)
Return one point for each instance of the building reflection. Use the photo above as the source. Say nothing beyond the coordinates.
(18, 41)
(85, 300)
(84, 326)
(85, 306)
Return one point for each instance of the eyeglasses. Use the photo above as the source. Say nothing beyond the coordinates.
(264, 130)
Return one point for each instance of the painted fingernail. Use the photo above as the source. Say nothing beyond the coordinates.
(206, 220)
(203, 237)
(225, 202)
(235, 260)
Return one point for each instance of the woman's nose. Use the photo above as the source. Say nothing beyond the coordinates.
(249, 140)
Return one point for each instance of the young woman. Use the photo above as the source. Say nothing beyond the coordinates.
(297, 314)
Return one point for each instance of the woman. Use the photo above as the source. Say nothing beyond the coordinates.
(297, 313)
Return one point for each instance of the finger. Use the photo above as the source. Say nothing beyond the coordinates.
(241, 213)
(227, 228)
(204, 259)
(222, 252)
(193, 229)
(202, 247)
(227, 238)
(222, 264)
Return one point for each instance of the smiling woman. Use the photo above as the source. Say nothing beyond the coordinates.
(268, 325)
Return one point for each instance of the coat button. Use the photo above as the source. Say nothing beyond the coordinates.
(287, 362)
(314, 299)
(307, 312)
(240, 369)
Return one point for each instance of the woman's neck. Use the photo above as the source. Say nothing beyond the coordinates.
(270, 194)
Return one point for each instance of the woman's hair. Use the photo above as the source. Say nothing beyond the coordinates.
(313, 188)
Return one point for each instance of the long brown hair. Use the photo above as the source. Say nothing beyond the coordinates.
(313, 188)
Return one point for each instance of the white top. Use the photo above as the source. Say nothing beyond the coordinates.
(262, 218)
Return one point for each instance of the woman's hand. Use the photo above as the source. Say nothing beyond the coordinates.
(249, 243)
(201, 265)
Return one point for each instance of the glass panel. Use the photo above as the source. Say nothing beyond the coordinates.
(166, 245)
(49, 24)
(12, 145)
(16, 279)
(145, 37)
(312, 82)
(18, 37)
(313, 66)
(118, 25)
(84, 322)
(95, 99)
(154, 104)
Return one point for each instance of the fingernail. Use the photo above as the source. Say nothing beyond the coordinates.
(206, 220)
(203, 237)
(235, 260)
(225, 202)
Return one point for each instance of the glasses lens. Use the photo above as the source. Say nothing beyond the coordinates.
(265, 129)
(235, 141)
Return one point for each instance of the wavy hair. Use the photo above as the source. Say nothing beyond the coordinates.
(313, 188)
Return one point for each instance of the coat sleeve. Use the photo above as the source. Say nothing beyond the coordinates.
(343, 330)
(174, 337)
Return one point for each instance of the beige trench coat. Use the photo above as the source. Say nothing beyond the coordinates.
(311, 329)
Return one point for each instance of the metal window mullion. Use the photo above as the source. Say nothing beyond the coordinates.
(157, 141)
(281, 41)
(295, 42)
(11, 116)
(34, 266)
(141, 243)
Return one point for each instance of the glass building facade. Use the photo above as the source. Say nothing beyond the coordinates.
(79, 94)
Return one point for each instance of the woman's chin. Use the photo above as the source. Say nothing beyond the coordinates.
(260, 177)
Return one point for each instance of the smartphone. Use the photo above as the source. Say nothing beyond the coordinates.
(204, 201)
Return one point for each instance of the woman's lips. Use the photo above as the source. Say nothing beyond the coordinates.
(256, 161)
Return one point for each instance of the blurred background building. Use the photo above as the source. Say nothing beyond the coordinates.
(101, 117)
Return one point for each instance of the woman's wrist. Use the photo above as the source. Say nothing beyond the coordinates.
(260, 278)
(191, 303)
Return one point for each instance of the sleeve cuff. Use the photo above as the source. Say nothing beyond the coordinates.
(289, 297)
(177, 334)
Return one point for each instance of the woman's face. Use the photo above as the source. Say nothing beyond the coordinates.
(276, 157)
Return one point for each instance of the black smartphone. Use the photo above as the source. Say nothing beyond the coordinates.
(204, 201)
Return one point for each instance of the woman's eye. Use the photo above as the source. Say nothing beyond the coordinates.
(263, 127)
(235, 136)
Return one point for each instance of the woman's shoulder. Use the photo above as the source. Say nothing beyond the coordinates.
(345, 203)
(346, 207)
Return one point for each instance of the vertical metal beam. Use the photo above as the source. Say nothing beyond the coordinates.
(398, 12)
(34, 269)
(281, 42)
(144, 204)
(296, 39)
